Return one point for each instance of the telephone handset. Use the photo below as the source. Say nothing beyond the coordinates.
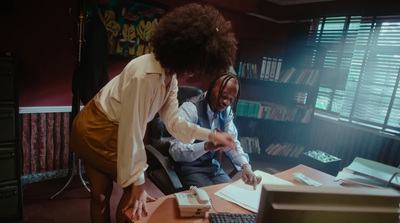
(193, 204)
(202, 196)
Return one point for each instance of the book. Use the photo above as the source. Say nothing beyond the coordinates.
(286, 76)
(300, 77)
(313, 78)
(251, 69)
(255, 72)
(240, 69)
(242, 108)
(248, 70)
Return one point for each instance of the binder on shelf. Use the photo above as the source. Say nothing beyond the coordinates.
(263, 67)
(268, 68)
(278, 70)
(273, 69)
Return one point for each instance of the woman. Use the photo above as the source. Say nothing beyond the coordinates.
(108, 133)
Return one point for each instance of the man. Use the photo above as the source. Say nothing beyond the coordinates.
(196, 163)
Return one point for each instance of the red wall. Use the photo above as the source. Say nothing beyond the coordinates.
(43, 36)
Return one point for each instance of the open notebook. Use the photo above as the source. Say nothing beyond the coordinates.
(244, 195)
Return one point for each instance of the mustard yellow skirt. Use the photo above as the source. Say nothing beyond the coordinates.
(94, 139)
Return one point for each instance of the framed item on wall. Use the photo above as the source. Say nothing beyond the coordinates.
(130, 25)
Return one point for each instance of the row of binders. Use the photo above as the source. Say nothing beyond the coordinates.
(272, 111)
(285, 149)
(271, 71)
(250, 145)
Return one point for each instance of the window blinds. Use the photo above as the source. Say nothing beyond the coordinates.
(360, 71)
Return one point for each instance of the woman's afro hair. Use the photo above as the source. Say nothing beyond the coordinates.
(194, 39)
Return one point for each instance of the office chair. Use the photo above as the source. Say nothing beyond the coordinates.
(161, 165)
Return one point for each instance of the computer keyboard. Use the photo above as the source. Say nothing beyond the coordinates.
(228, 217)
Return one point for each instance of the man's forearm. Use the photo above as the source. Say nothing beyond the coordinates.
(186, 152)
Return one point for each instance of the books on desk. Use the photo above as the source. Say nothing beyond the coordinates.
(244, 195)
(369, 173)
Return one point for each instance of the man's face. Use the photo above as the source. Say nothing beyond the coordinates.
(227, 96)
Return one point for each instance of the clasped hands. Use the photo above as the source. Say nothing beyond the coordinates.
(221, 140)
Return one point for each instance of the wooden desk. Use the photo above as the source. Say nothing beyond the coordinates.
(165, 209)
(325, 179)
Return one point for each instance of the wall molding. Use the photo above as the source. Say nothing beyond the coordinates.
(47, 109)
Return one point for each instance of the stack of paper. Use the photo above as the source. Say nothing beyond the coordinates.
(245, 195)
(369, 173)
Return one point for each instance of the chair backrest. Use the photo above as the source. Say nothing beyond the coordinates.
(159, 137)
(161, 171)
(187, 92)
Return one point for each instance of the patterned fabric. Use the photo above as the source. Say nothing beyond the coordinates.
(44, 138)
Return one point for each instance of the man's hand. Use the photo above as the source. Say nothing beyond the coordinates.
(249, 177)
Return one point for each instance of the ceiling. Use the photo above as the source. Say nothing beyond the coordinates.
(281, 10)
(295, 2)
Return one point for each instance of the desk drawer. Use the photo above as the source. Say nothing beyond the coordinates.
(7, 123)
(8, 163)
(8, 201)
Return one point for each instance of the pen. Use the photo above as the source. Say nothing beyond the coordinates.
(219, 130)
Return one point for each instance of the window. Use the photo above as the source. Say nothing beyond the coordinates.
(360, 69)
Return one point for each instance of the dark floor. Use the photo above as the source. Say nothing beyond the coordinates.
(72, 205)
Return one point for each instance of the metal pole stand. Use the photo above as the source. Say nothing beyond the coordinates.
(76, 169)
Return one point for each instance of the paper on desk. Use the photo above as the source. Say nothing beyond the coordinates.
(244, 195)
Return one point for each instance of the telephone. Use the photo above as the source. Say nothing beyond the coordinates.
(193, 204)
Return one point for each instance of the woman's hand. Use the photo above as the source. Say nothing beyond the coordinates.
(138, 200)
(249, 177)
(222, 140)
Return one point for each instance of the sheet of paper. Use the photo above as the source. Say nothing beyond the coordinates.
(375, 169)
(245, 195)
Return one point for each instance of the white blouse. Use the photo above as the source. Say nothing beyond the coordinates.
(131, 100)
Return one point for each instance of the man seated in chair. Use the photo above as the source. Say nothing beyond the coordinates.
(196, 163)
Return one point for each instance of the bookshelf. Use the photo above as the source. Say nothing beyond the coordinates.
(278, 113)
